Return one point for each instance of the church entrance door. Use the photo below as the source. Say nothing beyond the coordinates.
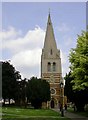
(52, 103)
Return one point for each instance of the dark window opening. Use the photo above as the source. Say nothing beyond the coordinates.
(49, 66)
(51, 52)
(54, 66)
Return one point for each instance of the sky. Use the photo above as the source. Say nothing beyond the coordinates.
(24, 27)
(44, 0)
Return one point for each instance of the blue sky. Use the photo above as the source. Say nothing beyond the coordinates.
(27, 15)
(24, 25)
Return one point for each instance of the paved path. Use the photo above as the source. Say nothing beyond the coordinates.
(73, 116)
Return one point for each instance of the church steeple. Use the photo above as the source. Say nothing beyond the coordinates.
(49, 19)
(51, 64)
(50, 43)
(49, 38)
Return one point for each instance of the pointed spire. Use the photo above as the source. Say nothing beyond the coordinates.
(49, 37)
(49, 18)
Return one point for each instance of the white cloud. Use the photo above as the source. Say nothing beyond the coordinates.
(32, 39)
(9, 34)
(63, 57)
(65, 63)
(27, 62)
(29, 58)
(26, 50)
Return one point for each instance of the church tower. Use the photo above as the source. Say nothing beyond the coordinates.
(51, 64)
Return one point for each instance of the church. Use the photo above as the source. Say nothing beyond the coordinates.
(51, 65)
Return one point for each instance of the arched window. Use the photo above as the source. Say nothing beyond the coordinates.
(54, 66)
(49, 66)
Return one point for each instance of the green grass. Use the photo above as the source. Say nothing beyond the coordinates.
(0, 112)
(35, 119)
(29, 112)
(10, 113)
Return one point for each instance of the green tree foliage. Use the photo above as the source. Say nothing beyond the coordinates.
(79, 62)
(38, 91)
(80, 98)
(9, 81)
(20, 97)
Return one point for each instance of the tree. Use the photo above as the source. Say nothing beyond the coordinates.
(21, 92)
(75, 96)
(68, 87)
(79, 62)
(79, 70)
(9, 81)
(38, 91)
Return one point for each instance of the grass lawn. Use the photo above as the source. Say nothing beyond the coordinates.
(0, 112)
(12, 113)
